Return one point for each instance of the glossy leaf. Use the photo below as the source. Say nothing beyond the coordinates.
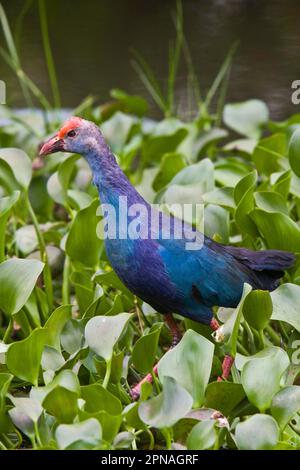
(83, 243)
(61, 403)
(259, 432)
(223, 396)
(189, 363)
(285, 405)
(279, 231)
(294, 152)
(164, 410)
(170, 165)
(59, 181)
(285, 300)
(55, 324)
(6, 205)
(66, 379)
(30, 348)
(97, 398)
(20, 165)
(269, 153)
(84, 435)
(257, 309)
(246, 118)
(144, 351)
(261, 377)
(202, 436)
(102, 333)
(17, 280)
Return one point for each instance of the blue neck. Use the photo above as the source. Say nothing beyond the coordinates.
(110, 180)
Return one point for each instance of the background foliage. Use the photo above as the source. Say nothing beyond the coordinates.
(74, 339)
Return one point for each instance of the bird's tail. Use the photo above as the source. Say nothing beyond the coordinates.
(269, 265)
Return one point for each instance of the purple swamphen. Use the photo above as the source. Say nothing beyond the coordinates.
(157, 267)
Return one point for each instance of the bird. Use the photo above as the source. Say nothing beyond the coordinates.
(157, 267)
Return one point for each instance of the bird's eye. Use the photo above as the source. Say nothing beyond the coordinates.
(71, 133)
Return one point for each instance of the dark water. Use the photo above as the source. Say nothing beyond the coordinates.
(91, 43)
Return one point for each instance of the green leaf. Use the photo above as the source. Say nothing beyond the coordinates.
(97, 398)
(216, 223)
(189, 363)
(243, 195)
(20, 165)
(102, 333)
(61, 403)
(230, 329)
(58, 183)
(28, 406)
(144, 350)
(17, 281)
(72, 336)
(23, 358)
(55, 324)
(84, 435)
(52, 359)
(25, 414)
(201, 173)
(110, 424)
(294, 152)
(111, 279)
(5, 380)
(6, 206)
(259, 432)
(246, 118)
(171, 164)
(229, 172)
(66, 379)
(271, 202)
(261, 377)
(282, 184)
(26, 239)
(131, 104)
(221, 197)
(257, 309)
(285, 405)
(166, 137)
(269, 153)
(83, 243)
(202, 436)
(285, 300)
(116, 130)
(278, 230)
(223, 396)
(164, 410)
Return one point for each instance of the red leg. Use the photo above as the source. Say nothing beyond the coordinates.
(175, 331)
(214, 324)
(176, 337)
(226, 367)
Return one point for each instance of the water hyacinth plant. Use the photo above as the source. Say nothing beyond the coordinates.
(74, 339)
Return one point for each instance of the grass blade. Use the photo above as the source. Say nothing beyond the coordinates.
(48, 54)
(221, 74)
(149, 80)
(14, 55)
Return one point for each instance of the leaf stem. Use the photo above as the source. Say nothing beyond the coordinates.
(274, 336)
(250, 337)
(66, 283)
(44, 257)
(107, 372)
(8, 331)
(37, 433)
(167, 435)
(152, 441)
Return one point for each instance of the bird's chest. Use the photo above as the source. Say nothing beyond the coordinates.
(140, 267)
